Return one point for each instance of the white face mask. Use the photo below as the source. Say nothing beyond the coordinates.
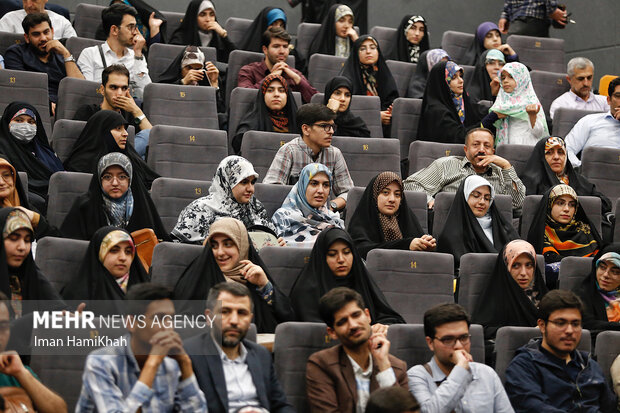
(25, 132)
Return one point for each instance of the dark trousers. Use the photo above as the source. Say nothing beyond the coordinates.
(529, 26)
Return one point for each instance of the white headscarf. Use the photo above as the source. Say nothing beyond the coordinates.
(486, 222)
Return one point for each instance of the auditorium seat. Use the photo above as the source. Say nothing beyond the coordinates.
(539, 53)
(423, 153)
(456, 44)
(8, 39)
(31, 87)
(548, 86)
(385, 38)
(517, 155)
(366, 107)
(322, 68)
(573, 270)
(64, 188)
(73, 93)
(564, 119)
(402, 72)
(260, 148)
(606, 350)
(367, 157)
(87, 19)
(60, 259)
(271, 196)
(602, 167)
(170, 259)
(285, 264)
(75, 45)
(171, 195)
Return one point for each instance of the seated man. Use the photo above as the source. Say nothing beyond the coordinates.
(115, 90)
(234, 372)
(12, 21)
(11, 5)
(276, 49)
(446, 174)
(552, 375)
(314, 145)
(580, 72)
(123, 46)
(42, 53)
(597, 129)
(341, 378)
(14, 374)
(451, 380)
(152, 373)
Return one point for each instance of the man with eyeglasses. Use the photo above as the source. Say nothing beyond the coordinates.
(451, 380)
(551, 375)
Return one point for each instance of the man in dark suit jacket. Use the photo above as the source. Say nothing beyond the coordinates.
(222, 356)
(341, 378)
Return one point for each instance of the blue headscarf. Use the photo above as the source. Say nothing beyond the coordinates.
(276, 14)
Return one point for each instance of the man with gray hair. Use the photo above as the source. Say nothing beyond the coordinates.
(580, 72)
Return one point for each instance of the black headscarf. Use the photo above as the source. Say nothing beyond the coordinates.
(316, 279)
(253, 39)
(462, 232)
(479, 86)
(260, 117)
(36, 157)
(386, 85)
(172, 74)
(538, 177)
(325, 40)
(402, 44)
(440, 121)
(476, 48)
(504, 303)
(365, 226)
(187, 33)
(314, 11)
(347, 123)
(94, 282)
(144, 13)
(96, 141)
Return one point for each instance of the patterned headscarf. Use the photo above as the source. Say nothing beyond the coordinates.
(389, 223)
(236, 231)
(451, 70)
(25, 111)
(414, 49)
(610, 298)
(369, 74)
(557, 192)
(434, 56)
(16, 220)
(557, 142)
(514, 249)
(495, 54)
(278, 118)
(114, 238)
(118, 210)
(343, 44)
(343, 10)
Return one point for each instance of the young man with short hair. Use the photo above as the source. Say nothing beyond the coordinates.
(341, 378)
(314, 145)
(551, 375)
(12, 21)
(451, 380)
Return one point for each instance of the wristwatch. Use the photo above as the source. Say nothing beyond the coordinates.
(333, 206)
(137, 120)
(70, 59)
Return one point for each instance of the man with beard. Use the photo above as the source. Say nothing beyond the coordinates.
(551, 375)
(233, 372)
(341, 378)
(42, 53)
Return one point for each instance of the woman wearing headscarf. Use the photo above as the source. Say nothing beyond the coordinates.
(561, 229)
(106, 132)
(488, 37)
(370, 75)
(382, 219)
(484, 83)
(108, 270)
(426, 61)
(229, 256)
(336, 35)
(411, 39)
(521, 119)
(474, 224)
(304, 213)
(269, 16)
(24, 141)
(338, 98)
(600, 291)
(447, 112)
(200, 28)
(115, 197)
(231, 195)
(335, 262)
(274, 110)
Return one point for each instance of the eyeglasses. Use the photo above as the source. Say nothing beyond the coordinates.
(130, 27)
(110, 178)
(450, 341)
(7, 177)
(562, 324)
(326, 126)
(371, 47)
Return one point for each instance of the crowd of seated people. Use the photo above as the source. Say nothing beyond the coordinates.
(340, 227)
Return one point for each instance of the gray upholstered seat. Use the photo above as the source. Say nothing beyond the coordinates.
(367, 157)
(236, 28)
(606, 349)
(76, 44)
(456, 44)
(573, 270)
(180, 105)
(423, 153)
(260, 148)
(8, 39)
(173, 20)
(87, 19)
(170, 259)
(322, 68)
(406, 114)
(60, 259)
(285, 264)
(271, 195)
(548, 86)
(602, 167)
(366, 107)
(517, 155)
(73, 93)
(539, 53)
(564, 119)
(64, 188)
(385, 37)
(31, 87)
(171, 195)
(402, 72)
(306, 32)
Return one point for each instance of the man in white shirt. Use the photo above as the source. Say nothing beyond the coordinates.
(12, 21)
(580, 72)
(123, 46)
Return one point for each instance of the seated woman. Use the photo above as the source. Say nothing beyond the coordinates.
(200, 27)
(274, 110)
(370, 75)
(411, 39)
(446, 103)
(304, 213)
(382, 219)
(561, 229)
(426, 61)
(335, 262)
(108, 270)
(474, 224)
(24, 141)
(114, 198)
(512, 294)
(600, 291)
(268, 17)
(228, 255)
(338, 98)
(231, 195)
(519, 117)
(336, 35)
(488, 37)
(484, 83)
(106, 132)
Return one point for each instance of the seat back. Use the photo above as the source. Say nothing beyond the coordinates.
(468, 73)
(423, 153)
(456, 44)
(60, 259)
(367, 157)
(260, 148)
(271, 196)
(385, 37)
(31, 87)
(406, 114)
(306, 32)
(173, 20)
(63, 190)
(548, 86)
(606, 350)
(517, 155)
(187, 153)
(87, 19)
(285, 264)
(75, 45)
(564, 119)
(616, 237)
(539, 53)
(413, 281)
(161, 56)
(23, 177)
(170, 259)
(171, 195)
(415, 200)
(573, 270)
(66, 133)
(366, 107)
(73, 93)
(236, 28)
(8, 39)
(402, 72)
(322, 68)
(602, 167)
